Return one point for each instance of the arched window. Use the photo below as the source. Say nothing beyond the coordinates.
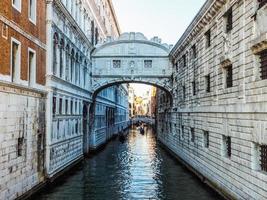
(61, 49)
(67, 62)
(55, 48)
(72, 60)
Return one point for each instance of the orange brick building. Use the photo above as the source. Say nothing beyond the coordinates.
(29, 31)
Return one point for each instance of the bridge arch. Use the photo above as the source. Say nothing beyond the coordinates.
(132, 58)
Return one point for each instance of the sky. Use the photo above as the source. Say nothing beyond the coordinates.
(167, 19)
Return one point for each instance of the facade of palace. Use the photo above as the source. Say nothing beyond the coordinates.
(216, 121)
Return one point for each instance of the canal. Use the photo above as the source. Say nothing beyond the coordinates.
(136, 169)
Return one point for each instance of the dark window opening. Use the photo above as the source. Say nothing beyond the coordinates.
(54, 105)
(20, 146)
(208, 38)
(262, 3)
(60, 106)
(66, 106)
(263, 157)
(229, 20)
(263, 62)
(184, 60)
(206, 139)
(229, 76)
(192, 135)
(194, 87)
(184, 92)
(194, 51)
(207, 80)
(227, 143)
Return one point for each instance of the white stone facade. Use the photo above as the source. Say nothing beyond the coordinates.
(219, 98)
(73, 29)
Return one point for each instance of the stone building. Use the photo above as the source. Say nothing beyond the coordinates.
(216, 120)
(22, 96)
(74, 28)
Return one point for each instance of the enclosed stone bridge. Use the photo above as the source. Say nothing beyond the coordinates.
(132, 58)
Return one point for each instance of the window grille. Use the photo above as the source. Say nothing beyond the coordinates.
(263, 62)
(116, 63)
(148, 63)
(229, 76)
(263, 157)
(227, 143)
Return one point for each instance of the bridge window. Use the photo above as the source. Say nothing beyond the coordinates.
(207, 83)
(206, 139)
(116, 63)
(208, 38)
(148, 63)
(263, 62)
(226, 146)
(229, 20)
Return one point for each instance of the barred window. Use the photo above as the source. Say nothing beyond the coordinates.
(184, 60)
(207, 83)
(208, 38)
(227, 146)
(229, 76)
(116, 63)
(229, 20)
(194, 51)
(263, 157)
(148, 63)
(262, 3)
(206, 139)
(192, 135)
(263, 62)
(194, 87)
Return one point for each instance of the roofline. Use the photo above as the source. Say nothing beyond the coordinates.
(193, 24)
(114, 16)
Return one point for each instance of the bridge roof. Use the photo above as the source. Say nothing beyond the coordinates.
(132, 44)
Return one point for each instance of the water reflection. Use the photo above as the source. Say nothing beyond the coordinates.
(135, 169)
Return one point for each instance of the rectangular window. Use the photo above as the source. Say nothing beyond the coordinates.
(32, 11)
(66, 106)
(194, 87)
(116, 63)
(71, 107)
(192, 135)
(194, 52)
(17, 5)
(229, 20)
(182, 135)
(184, 60)
(227, 146)
(20, 146)
(207, 83)
(184, 93)
(229, 76)
(32, 67)
(60, 105)
(208, 38)
(263, 157)
(54, 105)
(148, 63)
(206, 139)
(263, 63)
(262, 3)
(4, 31)
(15, 60)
